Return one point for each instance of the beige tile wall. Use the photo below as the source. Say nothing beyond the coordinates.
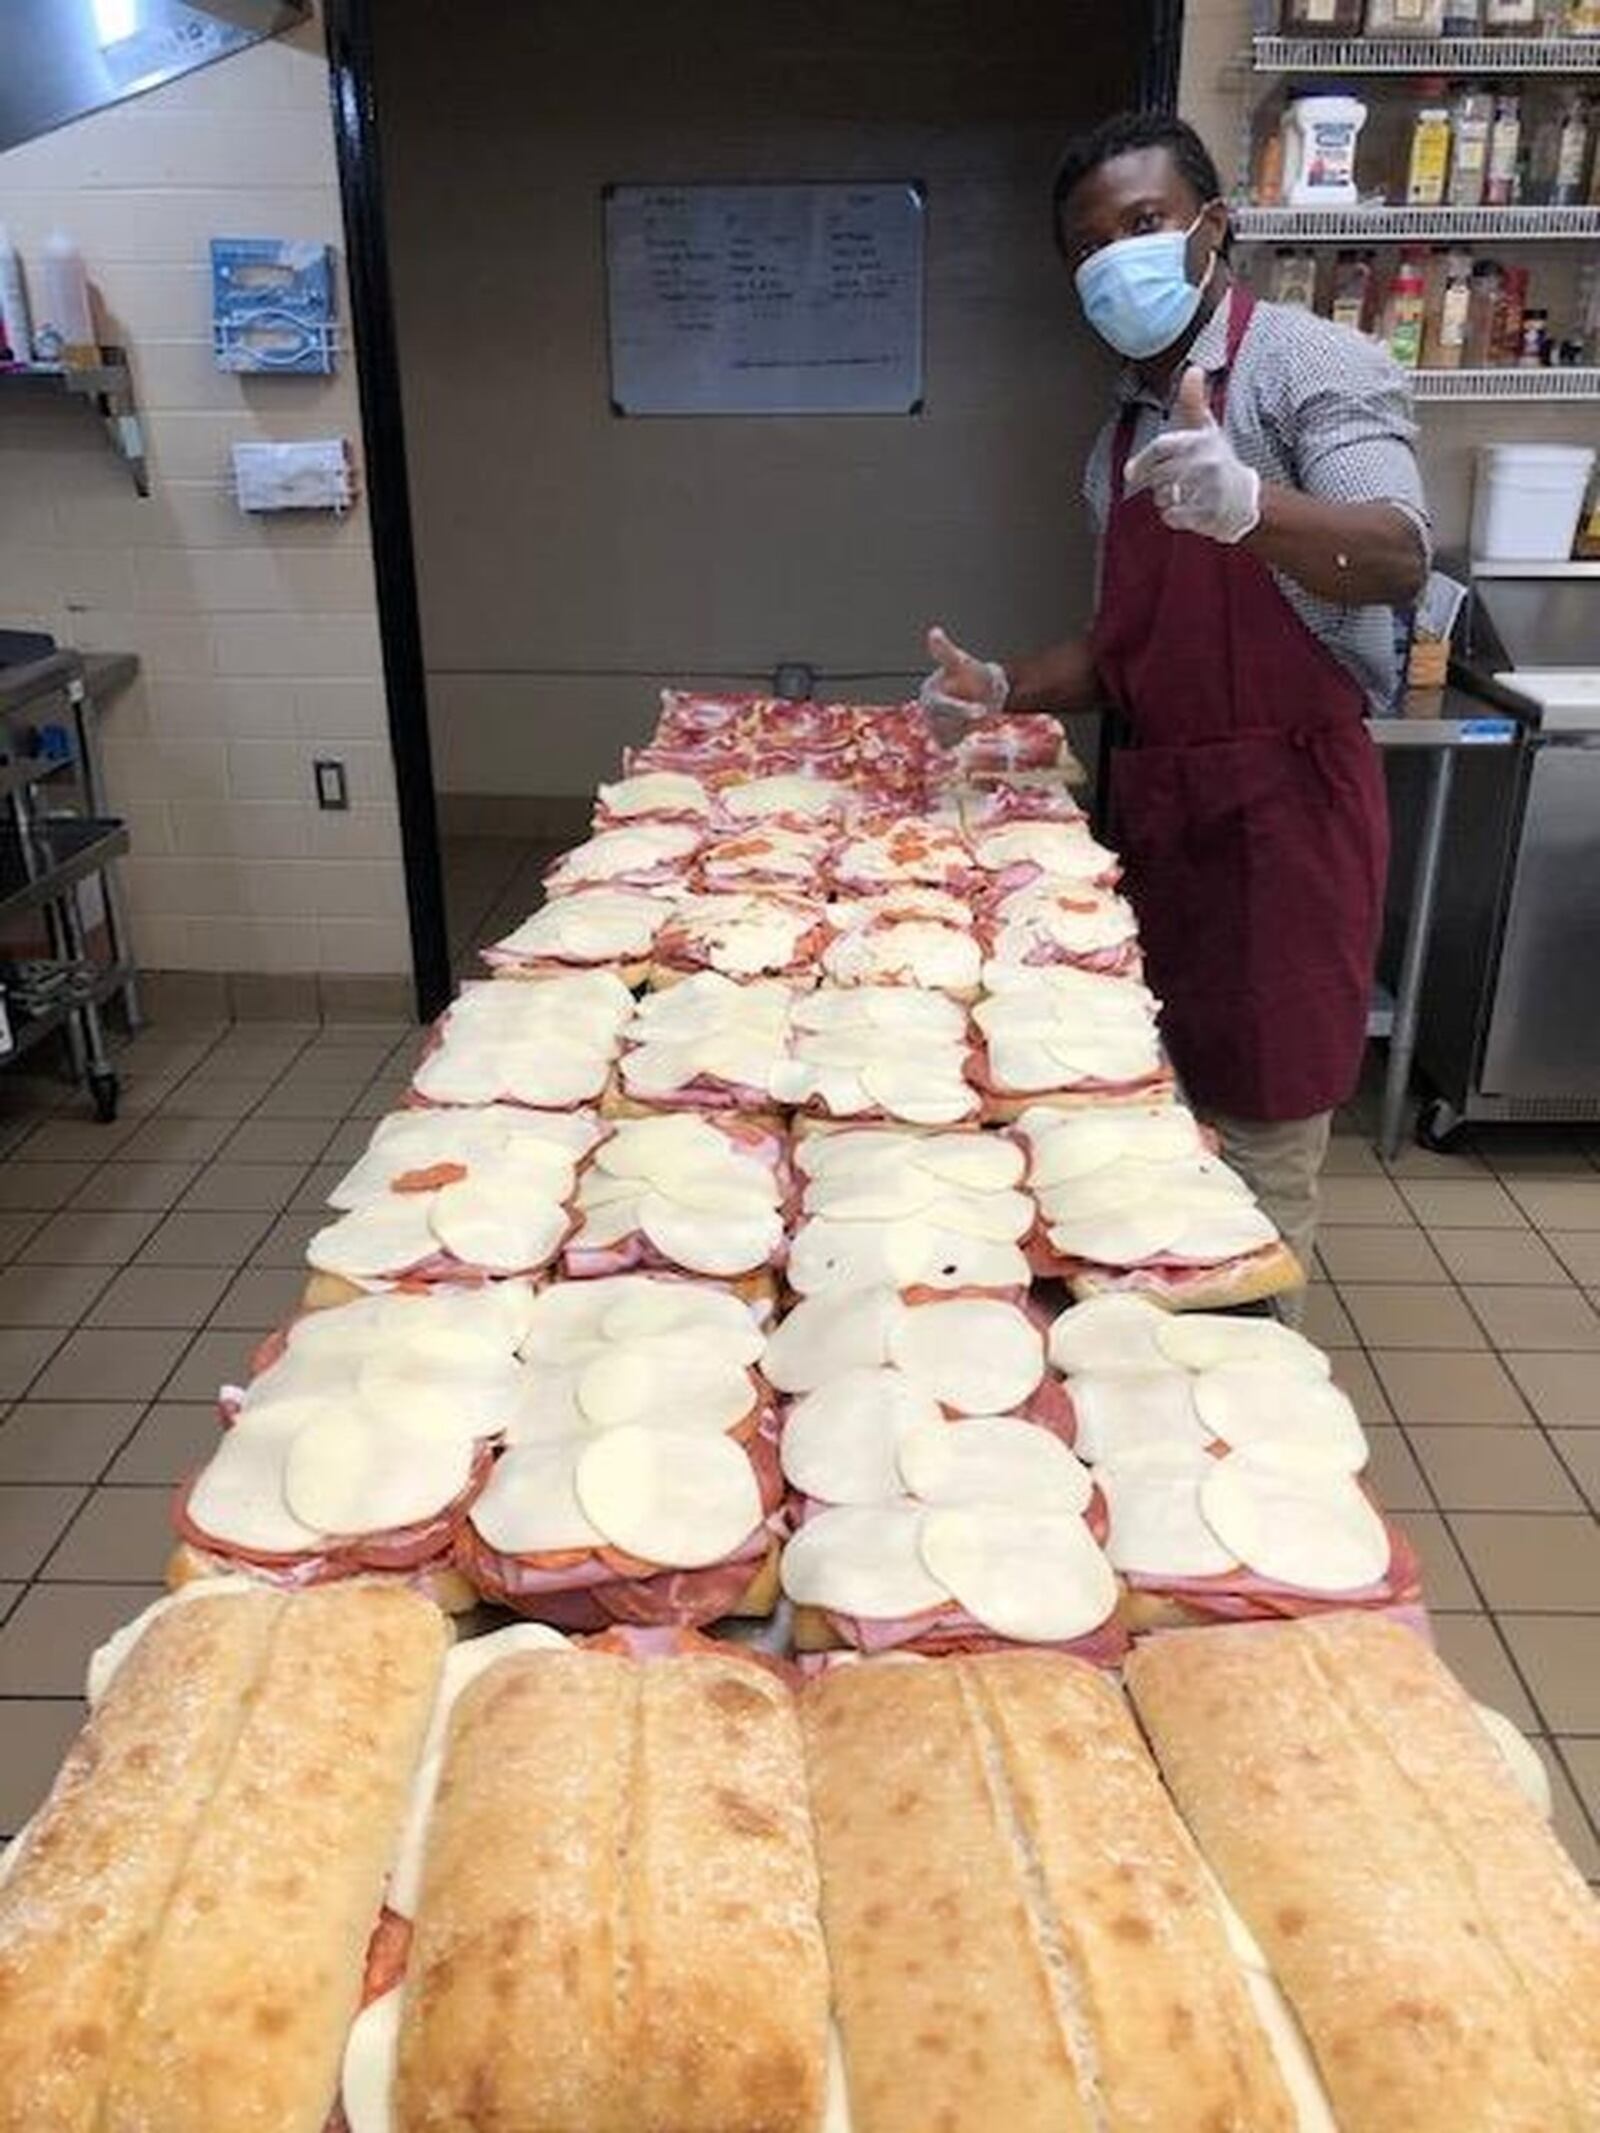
(258, 637)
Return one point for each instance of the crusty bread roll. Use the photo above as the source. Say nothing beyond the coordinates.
(1440, 1950)
(443, 1584)
(1021, 1934)
(618, 1921)
(1267, 1273)
(183, 1937)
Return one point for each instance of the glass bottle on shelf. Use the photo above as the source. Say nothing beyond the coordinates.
(1403, 319)
(1505, 147)
(1321, 18)
(1482, 306)
(1353, 283)
(1429, 163)
(1294, 278)
(1506, 338)
(1444, 337)
(1471, 116)
(1405, 18)
(1561, 153)
(1463, 18)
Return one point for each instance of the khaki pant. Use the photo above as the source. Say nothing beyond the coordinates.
(1282, 1164)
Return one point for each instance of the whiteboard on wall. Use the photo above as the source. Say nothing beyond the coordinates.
(765, 299)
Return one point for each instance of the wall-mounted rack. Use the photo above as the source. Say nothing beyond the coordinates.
(1379, 224)
(1518, 385)
(1426, 55)
(107, 386)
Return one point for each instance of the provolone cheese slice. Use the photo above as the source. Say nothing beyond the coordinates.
(1119, 1414)
(672, 1497)
(386, 1236)
(826, 1335)
(734, 1240)
(354, 1476)
(488, 1223)
(613, 855)
(977, 1356)
(864, 1560)
(1292, 1517)
(840, 1442)
(786, 794)
(913, 952)
(371, 2056)
(993, 1459)
(1202, 1340)
(590, 926)
(1157, 1527)
(654, 792)
(1032, 1575)
(1107, 1334)
(1522, 1758)
(1262, 1403)
(672, 1383)
(908, 1254)
(238, 1496)
(529, 1505)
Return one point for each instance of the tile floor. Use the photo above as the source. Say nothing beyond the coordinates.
(139, 1263)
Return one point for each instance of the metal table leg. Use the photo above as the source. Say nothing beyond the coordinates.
(1414, 960)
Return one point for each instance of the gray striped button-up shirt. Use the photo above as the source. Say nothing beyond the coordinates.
(1315, 407)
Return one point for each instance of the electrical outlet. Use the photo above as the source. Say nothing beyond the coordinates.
(332, 789)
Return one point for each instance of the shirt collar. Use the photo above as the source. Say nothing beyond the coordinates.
(1209, 353)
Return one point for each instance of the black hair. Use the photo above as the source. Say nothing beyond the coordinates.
(1124, 134)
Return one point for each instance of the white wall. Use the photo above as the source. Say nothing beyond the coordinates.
(258, 637)
(570, 562)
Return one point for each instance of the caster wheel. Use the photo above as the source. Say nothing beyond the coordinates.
(1438, 1128)
(105, 1090)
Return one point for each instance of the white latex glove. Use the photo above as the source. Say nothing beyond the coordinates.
(1199, 482)
(961, 686)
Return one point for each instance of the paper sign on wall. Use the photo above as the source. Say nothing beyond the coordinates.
(765, 299)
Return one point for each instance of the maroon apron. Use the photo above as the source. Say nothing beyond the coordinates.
(1250, 809)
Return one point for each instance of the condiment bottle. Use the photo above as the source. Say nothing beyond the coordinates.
(1505, 145)
(1444, 336)
(1483, 307)
(1506, 345)
(1463, 18)
(1572, 151)
(1405, 18)
(1471, 117)
(1352, 291)
(64, 329)
(1407, 303)
(1294, 279)
(16, 334)
(1321, 18)
(1511, 18)
(1430, 147)
(1534, 353)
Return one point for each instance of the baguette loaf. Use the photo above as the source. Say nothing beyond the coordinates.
(183, 1937)
(1019, 1927)
(618, 1921)
(1441, 1952)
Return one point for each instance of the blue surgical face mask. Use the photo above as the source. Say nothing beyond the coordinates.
(1137, 294)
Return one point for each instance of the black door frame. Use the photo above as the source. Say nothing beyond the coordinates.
(355, 128)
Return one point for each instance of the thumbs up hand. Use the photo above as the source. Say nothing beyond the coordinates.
(960, 687)
(1200, 484)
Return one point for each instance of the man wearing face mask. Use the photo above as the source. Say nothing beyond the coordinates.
(1260, 516)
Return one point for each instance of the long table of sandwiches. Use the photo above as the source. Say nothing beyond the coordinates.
(771, 1588)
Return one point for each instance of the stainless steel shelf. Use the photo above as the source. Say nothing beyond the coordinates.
(1518, 385)
(1426, 55)
(1406, 225)
(29, 1030)
(69, 850)
(20, 771)
(108, 388)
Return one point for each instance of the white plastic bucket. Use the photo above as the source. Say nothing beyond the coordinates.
(1527, 500)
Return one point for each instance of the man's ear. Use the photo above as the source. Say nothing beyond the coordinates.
(1212, 236)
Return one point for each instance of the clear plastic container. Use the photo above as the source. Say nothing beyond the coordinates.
(1511, 18)
(1322, 18)
(1505, 149)
(1405, 18)
(1527, 500)
(1321, 132)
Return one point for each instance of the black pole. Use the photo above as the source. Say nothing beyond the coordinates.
(1163, 58)
(355, 130)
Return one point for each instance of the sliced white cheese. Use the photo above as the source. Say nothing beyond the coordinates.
(589, 926)
(1157, 1527)
(1307, 2097)
(1522, 1758)
(616, 854)
(672, 1383)
(906, 1254)
(928, 1091)
(385, 1236)
(1108, 1334)
(529, 1505)
(1032, 1575)
(840, 1442)
(829, 1334)
(674, 1497)
(973, 1162)
(238, 1496)
(862, 1559)
(1063, 849)
(900, 1008)
(1069, 1145)
(441, 1385)
(654, 792)
(976, 1355)
(490, 1223)
(371, 2056)
(911, 952)
(1202, 1340)
(1290, 1516)
(789, 793)
(992, 1459)
(356, 1476)
(734, 1240)
(1125, 1412)
(1263, 1403)
(639, 1308)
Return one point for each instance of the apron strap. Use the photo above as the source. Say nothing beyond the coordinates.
(1242, 304)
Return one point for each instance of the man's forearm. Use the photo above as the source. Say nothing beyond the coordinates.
(1359, 555)
(1061, 678)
